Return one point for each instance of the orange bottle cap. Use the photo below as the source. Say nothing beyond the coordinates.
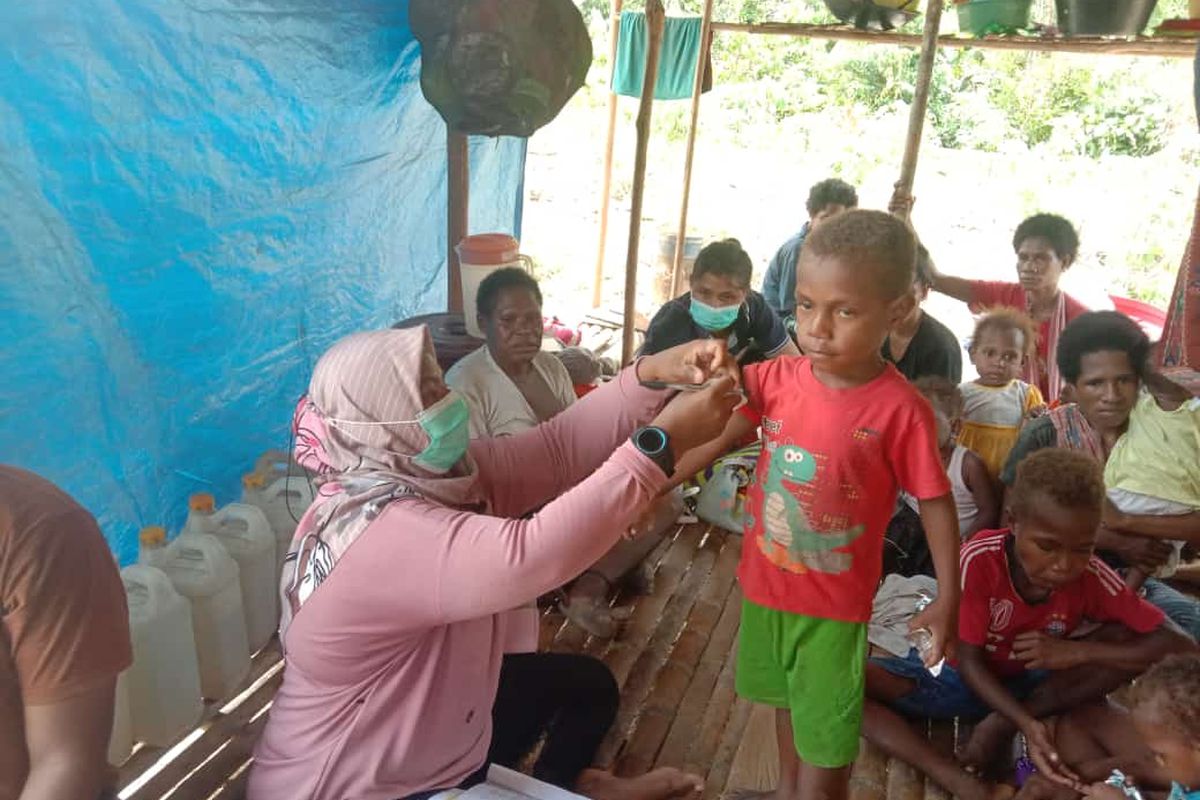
(153, 535)
(202, 502)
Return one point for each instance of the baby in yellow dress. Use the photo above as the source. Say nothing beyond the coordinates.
(997, 403)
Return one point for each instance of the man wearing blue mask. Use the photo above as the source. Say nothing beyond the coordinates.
(721, 305)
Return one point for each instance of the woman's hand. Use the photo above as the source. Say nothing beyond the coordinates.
(694, 363)
(693, 418)
(901, 204)
(1137, 551)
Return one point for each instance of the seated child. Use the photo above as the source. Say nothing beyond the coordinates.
(975, 495)
(1154, 744)
(1166, 716)
(1154, 468)
(1024, 591)
(842, 431)
(997, 403)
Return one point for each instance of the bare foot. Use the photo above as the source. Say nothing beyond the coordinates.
(987, 750)
(657, 784)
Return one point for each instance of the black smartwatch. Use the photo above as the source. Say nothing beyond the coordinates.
(654, 442)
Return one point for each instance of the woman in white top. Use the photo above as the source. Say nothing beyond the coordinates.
(510, 386)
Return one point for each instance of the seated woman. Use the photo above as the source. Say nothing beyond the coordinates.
(396, 611)
(919, 345)
(510, 386)
(1046, 246)
(1102, 356)
(721, 305)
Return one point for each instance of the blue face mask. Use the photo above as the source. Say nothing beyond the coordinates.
(448, 424)
(714, 319)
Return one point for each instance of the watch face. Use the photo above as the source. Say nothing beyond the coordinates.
(651, 440)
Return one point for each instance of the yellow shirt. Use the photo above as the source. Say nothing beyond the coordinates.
(1159, 455)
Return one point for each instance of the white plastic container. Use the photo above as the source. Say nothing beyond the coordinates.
(164, 681)
(284, 501)
(479, 256)
(244, 531)
(120, 741)
(202, 570)
(152, 544)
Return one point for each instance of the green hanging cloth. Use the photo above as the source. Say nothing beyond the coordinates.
(676, 61)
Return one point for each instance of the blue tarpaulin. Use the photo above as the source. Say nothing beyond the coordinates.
(196, 199)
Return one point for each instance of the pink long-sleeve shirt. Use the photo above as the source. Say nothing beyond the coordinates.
(393, 664)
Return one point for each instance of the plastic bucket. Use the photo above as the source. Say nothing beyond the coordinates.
(1104, 17)
(979, 16)
(479, 256)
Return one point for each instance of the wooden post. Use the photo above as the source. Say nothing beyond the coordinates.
(655, 20)
(697, 85)
(458, 189)
(916, 117)
(606, 185)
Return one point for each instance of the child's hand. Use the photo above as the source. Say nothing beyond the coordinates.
(1037, 411)
(1102, 791)
(941, 620)
(1040, 651)
(1045, 757)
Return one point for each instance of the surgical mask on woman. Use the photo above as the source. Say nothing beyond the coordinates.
(714, 318)
(446, 423)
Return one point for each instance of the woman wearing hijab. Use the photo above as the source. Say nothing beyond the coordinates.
(402, 580)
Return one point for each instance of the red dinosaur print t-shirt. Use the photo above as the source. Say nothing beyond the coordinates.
(991, 613)
(826, 483)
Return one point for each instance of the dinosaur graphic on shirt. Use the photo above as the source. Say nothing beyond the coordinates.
(789, 540)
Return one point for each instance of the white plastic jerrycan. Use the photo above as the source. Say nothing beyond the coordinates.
(284, 500)
(203, 571)
(120, 741)
(152, 545)
(246, 534)
(164, 681)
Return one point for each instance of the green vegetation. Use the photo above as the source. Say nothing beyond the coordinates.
(1109, 141)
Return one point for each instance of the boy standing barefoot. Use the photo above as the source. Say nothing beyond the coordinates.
(842, 432)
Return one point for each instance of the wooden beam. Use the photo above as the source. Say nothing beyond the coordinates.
(606, 184)
(920, 102)
(1160, 47)
(655, 20)
(697, 87)
(458, 189)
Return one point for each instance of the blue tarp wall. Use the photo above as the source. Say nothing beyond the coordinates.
(196, 199)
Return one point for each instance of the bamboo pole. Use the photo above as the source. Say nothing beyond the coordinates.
(1160, 47)
(697, 86)
(655, 20)
(606, 184)
(916, 115)
(458, 189)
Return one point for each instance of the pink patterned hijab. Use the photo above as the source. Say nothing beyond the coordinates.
(356, 428)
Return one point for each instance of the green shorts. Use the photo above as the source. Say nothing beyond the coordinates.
(815, 668)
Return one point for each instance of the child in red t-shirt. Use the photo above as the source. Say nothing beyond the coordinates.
(842, 431)
(1024, 592)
